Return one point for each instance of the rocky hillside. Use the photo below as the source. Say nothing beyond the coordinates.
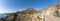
(31, 14)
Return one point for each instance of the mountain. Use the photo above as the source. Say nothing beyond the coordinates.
(29, 11)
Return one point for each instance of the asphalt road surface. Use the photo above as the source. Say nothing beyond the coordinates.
(52, 18)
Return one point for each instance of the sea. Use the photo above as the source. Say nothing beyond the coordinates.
(2, 15)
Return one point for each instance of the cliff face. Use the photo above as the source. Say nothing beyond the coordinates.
(53, 10)
(32, 15)
(27, 17)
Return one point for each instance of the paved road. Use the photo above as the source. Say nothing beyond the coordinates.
(52, 18)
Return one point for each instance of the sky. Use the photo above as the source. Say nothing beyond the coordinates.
(8, 6)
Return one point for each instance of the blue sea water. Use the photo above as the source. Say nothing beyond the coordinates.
(2, 15)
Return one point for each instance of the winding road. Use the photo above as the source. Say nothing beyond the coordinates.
(52, 18)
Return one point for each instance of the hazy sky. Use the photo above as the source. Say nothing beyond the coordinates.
(19, 5)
